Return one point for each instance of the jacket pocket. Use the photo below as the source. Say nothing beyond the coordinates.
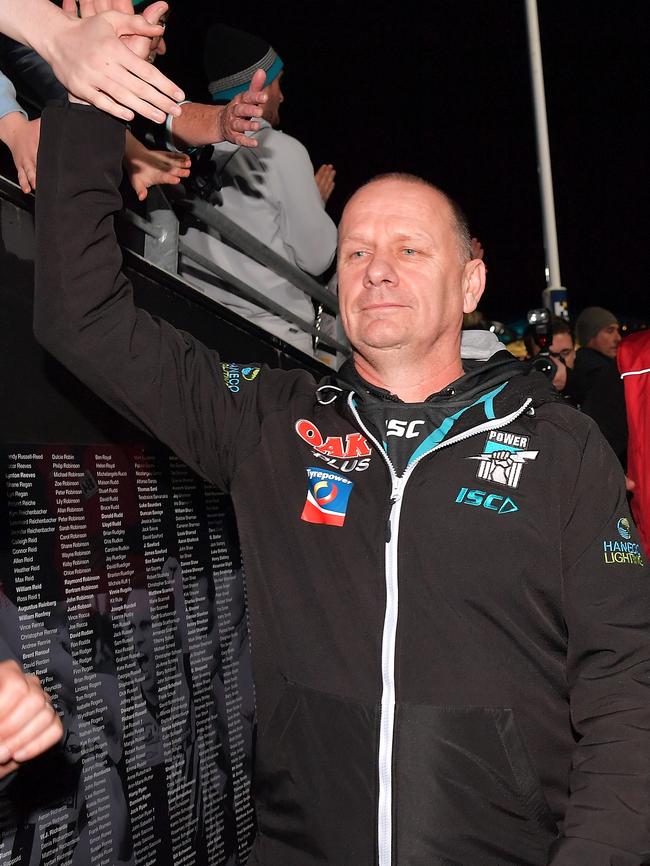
(315, 780)
(466, 791)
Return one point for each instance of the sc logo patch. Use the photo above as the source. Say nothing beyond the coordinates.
(328, 494)
(491, 501)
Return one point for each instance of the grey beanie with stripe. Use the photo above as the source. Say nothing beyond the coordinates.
(231, 58)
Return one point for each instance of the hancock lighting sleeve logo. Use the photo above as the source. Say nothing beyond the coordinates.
(328, 494)
(623, 527)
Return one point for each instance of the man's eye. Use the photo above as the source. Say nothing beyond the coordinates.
(409, 251)
(358, 254)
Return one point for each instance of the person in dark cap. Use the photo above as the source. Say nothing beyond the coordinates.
(270, 190)
(595, 384)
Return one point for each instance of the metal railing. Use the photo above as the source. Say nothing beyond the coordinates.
(164, 248)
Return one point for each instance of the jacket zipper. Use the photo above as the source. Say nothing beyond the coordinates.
(389, 635)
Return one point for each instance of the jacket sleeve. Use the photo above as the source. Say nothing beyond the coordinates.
(158, 377)
(607, 614)
(8, 102)
(305, 226)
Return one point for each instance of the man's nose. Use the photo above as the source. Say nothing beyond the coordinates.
(380, 272)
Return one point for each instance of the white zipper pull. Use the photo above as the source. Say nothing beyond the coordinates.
(394, 497)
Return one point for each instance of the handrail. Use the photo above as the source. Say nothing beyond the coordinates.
(253, 295)
(250, 245)
(163, 247)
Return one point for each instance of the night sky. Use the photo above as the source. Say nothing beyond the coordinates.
(443, 90)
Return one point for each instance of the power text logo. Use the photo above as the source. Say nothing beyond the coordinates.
(503, 458)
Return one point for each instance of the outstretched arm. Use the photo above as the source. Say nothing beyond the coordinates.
(89, 58)
(29, 724)
(202, 124)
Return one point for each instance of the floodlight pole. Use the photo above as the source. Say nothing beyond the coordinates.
(553, 280)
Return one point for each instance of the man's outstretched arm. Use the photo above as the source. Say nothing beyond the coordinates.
(202, 124)
(89, 58)
(160, 378)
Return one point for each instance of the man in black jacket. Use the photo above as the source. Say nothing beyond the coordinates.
(452, 666)
(596, 385)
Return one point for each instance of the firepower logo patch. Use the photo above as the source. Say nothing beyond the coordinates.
(328, 494)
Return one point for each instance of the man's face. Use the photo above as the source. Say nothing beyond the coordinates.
(400, 273)
(271, 109)
(561, 349)
(607, 340)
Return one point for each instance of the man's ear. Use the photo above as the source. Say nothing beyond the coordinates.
(473, 283)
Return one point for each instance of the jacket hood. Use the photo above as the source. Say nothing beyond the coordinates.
(487, 365)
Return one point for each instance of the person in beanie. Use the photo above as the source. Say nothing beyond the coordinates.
(270, 190)
(595, 384)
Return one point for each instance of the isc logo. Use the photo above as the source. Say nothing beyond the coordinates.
(491, 501)
(407, 429)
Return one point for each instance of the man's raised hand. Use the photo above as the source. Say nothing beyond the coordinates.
(21, 137)
(97, 67)
(29, 724)
(94, 7)
(324, 178)
(238, 117)
(146, 168)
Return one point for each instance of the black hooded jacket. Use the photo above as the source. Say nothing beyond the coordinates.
(451, 662)
(596, 386)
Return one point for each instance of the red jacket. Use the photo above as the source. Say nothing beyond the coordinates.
(634, 364)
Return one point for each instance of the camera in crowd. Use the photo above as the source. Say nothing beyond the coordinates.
(541, 329)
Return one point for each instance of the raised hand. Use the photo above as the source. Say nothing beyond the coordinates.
(94, 7)
(239, 115)
(97, 67)
(21, 137)
(146, 168)
(324, 178)
(29, 724)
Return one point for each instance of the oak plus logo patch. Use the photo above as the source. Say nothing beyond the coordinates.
(328, 494)
(503, 458)
(348, 453)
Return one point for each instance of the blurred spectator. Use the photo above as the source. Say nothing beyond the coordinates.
(634, 364)
(561, 351)
(595, 384)
(270, 190)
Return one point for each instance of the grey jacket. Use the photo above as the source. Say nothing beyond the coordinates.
(270, 191)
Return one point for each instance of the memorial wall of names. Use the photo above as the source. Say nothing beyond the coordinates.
(121, 588)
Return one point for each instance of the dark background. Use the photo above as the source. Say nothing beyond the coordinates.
(443, 90)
